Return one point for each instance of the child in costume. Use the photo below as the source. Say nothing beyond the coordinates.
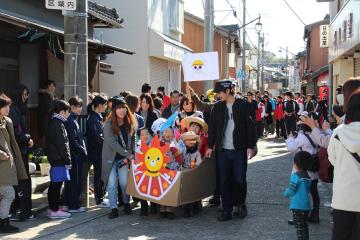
(192, 159)
(200, 128)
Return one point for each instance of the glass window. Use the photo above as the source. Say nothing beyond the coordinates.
(177, 16)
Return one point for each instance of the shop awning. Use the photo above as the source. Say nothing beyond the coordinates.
(24, 22)
(162, 46)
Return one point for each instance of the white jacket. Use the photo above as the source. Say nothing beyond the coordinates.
(346, 194)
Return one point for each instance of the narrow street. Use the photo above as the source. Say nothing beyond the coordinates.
(268, 175)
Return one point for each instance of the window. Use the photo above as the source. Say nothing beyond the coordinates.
(177, 16)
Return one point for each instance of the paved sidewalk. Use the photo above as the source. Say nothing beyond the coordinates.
(268, 175)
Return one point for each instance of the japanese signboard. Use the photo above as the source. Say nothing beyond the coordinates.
(61, 4)
(324, 36)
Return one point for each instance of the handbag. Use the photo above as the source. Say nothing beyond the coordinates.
(59, 174)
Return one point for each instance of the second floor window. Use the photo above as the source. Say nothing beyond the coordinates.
(177, 16)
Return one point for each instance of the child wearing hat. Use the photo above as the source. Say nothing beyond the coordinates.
(192, 159)
(200, 128)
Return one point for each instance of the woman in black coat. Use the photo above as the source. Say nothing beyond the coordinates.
(147, 110)
(18, 115)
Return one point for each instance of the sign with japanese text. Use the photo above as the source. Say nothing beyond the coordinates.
(324, 36)
(61, 4)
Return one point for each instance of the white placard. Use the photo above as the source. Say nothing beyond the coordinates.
(324, 36)
(200, 66)
(69, 5)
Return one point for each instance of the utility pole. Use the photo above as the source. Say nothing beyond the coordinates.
(243, 85)
(76, 61)
(258, 64)
(287, 67)
(209, 34)
(262, 61)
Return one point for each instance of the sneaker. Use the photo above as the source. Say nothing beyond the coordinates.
(31, 217)
(214, 201)
(79, 210)
(64, 208)
(104, 204)
(114, 213)
(58, 214)
(243, 212)
(14, 217)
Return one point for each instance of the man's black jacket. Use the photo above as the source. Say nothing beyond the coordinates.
(244, 135)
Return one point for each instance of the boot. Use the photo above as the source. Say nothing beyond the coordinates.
(144, 208)
(5, 226)
(114, 213)
(314, 217)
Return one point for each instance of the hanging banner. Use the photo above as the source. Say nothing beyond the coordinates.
(69, 5)
(200, 66)
(324, 36)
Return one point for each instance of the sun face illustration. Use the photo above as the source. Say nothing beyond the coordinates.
(151, 177)
(198, 64)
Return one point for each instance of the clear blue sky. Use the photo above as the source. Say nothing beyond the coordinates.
(280, 25)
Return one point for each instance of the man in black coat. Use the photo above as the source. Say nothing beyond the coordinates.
(174, 105)
(232, 133)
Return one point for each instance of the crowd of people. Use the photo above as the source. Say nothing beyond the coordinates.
(224, 124)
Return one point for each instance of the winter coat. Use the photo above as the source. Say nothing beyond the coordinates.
(168, 112)
(57, 144)
(268, 112)
(298, 191)
(320, 137)
(309, 107)
(46, 100)
(151, 117)
(244, 134)
(95, 137)
(260, 112)
(21, 132)
(13, 169)
(111, 147)
(346, 183)
(291, 107)
(76, 139)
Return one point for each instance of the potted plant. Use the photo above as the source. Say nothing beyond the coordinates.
(44, 166)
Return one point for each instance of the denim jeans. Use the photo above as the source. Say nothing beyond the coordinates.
(232, 173)
(118, 175)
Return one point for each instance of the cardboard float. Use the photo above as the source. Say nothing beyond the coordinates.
(150, 180)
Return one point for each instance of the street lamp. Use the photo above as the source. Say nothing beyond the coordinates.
(258, 27)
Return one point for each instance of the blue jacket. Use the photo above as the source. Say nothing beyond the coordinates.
(95, 136)
(273, 103)
(298, 191)
(76, 139)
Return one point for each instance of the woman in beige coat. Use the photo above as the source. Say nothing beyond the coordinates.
(12, 167)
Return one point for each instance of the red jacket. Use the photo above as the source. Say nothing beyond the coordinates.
(279, 113)
(260, 112)
(203, 145)
(166, 102)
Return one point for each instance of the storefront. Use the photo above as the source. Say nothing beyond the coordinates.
(344, 49)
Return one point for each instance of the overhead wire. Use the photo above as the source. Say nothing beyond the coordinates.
(294, 12)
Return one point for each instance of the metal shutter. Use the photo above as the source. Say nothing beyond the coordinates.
(357, 67)
(159, 73)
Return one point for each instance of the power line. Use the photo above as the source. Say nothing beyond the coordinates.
(294, 12)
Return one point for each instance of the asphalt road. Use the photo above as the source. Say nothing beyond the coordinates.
(268, 175)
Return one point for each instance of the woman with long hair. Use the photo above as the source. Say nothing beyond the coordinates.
(18, 115)
(12, 168)
(147, 110)
(95, 139)
(117, 152)
(188, 108)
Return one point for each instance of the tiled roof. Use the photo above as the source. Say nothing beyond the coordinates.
(103, 16)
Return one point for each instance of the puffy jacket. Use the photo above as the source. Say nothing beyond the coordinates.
(244, 134)
(57, 144)
(260, 112)
(76, 139)
(21, 132)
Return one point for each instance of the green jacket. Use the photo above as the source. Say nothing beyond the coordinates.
(13, 169)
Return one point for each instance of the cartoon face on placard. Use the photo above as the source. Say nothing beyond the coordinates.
(151, 177)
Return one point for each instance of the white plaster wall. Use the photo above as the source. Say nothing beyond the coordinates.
(130, 71)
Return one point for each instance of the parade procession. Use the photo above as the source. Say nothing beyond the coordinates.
(180, 119)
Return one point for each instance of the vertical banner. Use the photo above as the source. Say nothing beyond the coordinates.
(200, 66)
(324, 36)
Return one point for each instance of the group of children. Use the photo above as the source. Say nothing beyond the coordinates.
(188, 144)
